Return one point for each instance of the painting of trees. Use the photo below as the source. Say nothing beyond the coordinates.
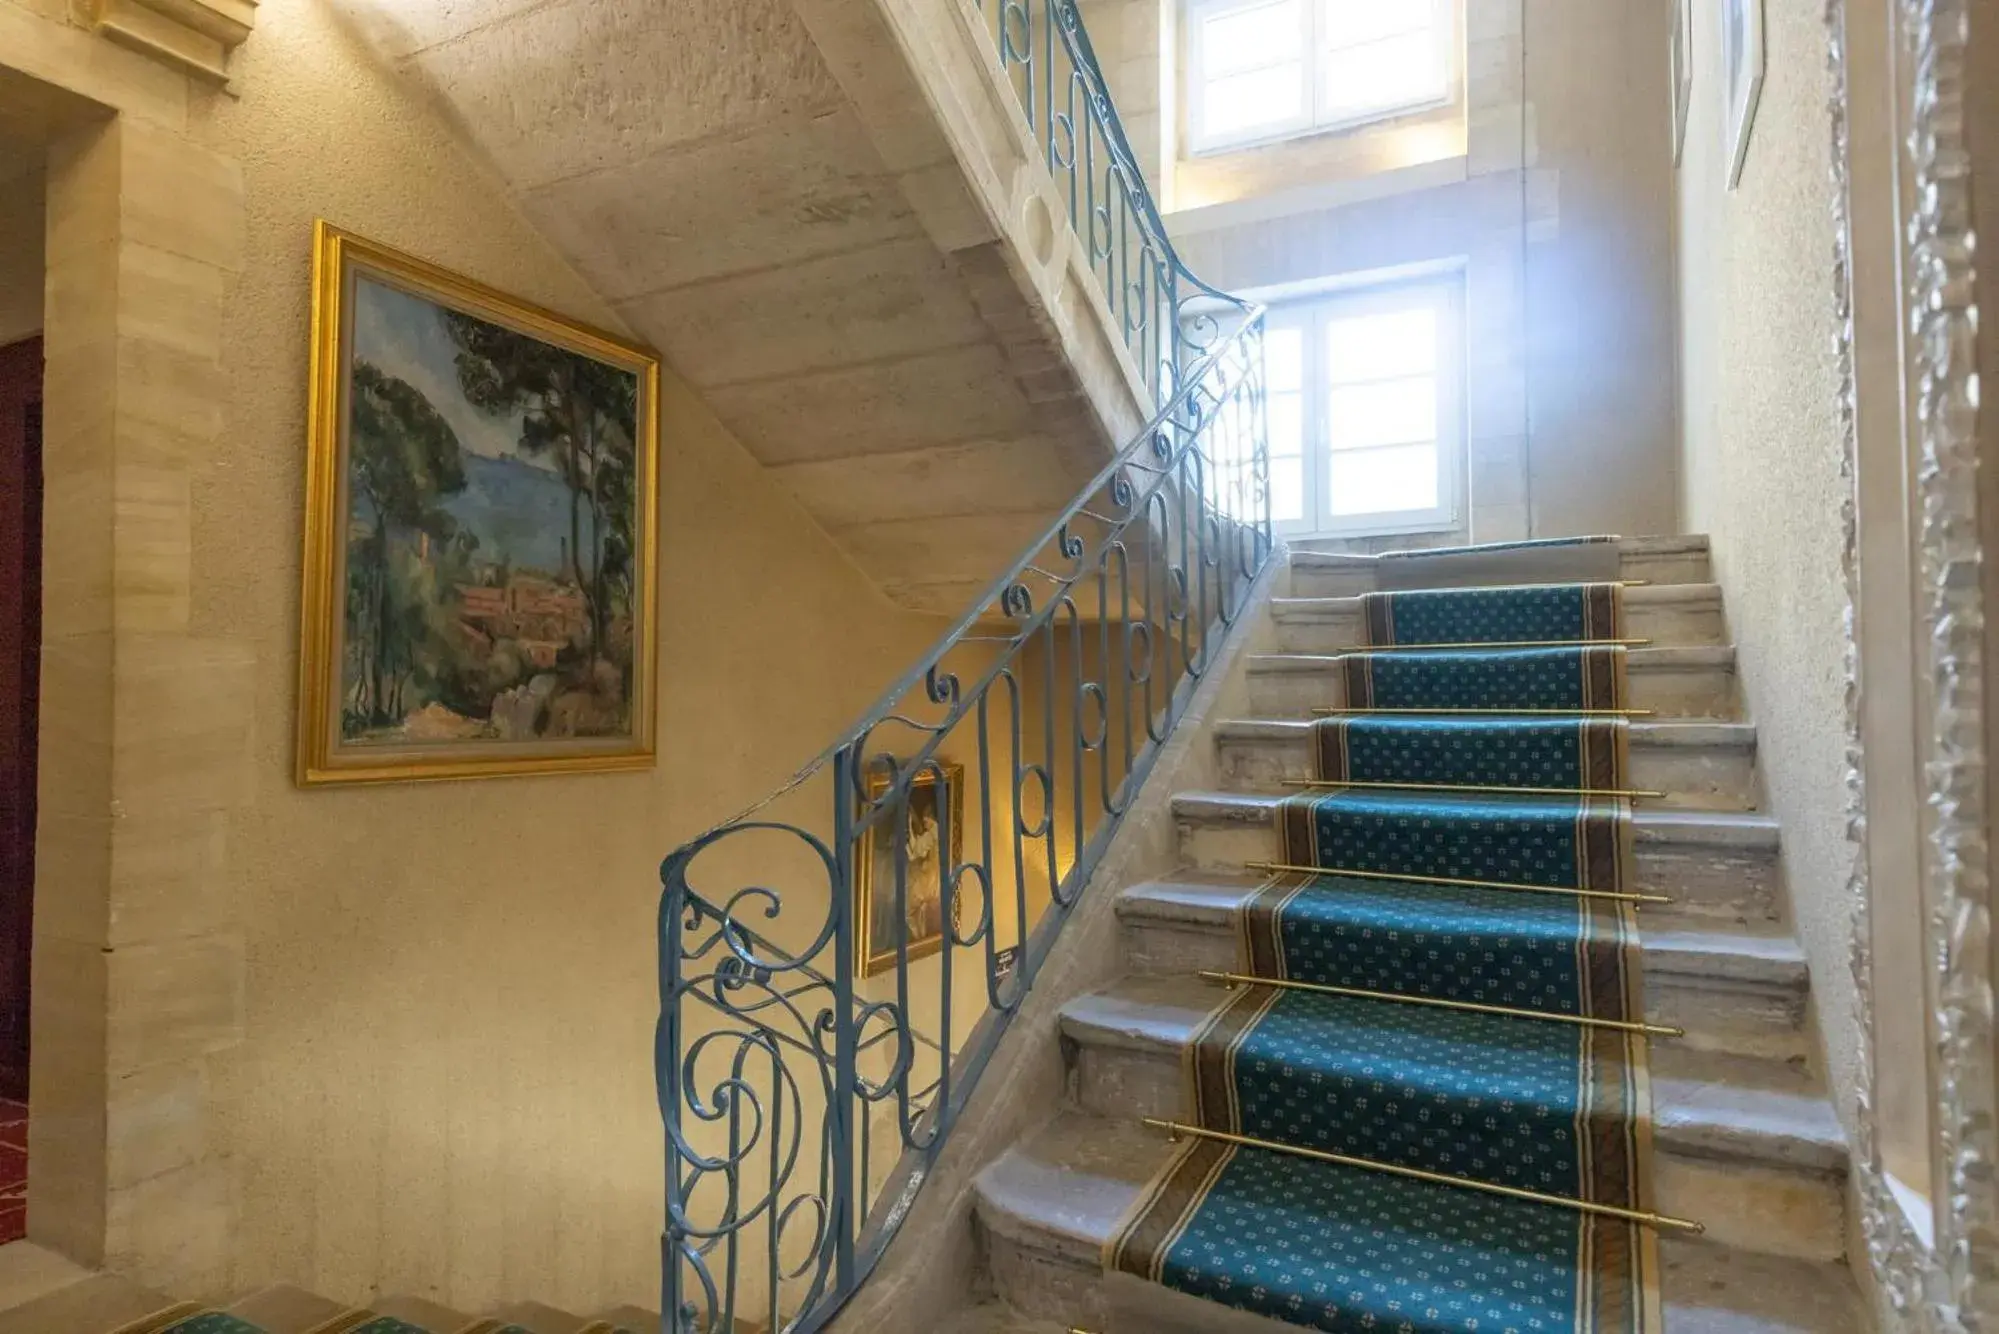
(404, 459)
(578, 413)
(479, 531)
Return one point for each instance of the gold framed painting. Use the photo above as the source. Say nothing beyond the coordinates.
(481, 530)
(876, 929)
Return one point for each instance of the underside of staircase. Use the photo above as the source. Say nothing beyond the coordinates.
(1743, 1136)
(106, 1304)
(768, 192)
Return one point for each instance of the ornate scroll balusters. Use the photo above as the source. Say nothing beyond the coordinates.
(804, 1098)
(817, 1041)
(1043, 50)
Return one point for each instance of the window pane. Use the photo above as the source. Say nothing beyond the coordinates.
(1359, 79)
(1392, 412)
(1350, 22)
(1284, 359)
(1244, 102)
(1383, 481)
(1378, 347)
(1287, 490)
(1250, 38)
(1287, 423)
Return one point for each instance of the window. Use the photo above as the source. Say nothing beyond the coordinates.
(1365, 396)
(1271, 69)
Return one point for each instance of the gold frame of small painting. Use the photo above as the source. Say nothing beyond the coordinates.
(871, 957)
(481, 531)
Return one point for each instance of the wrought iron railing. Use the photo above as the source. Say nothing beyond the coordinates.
(1043, 50)
(826, 1012)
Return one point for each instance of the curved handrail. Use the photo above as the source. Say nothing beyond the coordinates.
(1045, 705)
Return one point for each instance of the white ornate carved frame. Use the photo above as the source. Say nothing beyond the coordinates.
(1951, 1284)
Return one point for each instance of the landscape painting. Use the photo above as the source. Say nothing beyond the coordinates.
(480, 532)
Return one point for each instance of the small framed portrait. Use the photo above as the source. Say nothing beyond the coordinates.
(1681, 54)
(1742, 66)
(480, 531)
(934, 805)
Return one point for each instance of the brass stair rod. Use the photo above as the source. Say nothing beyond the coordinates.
(1503, 643)
(1175, 1129)
(1620, 896)
(1489, 713)
(1474, 1007)
(1633, 792)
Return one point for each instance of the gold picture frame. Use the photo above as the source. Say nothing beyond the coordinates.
(481, 531)
(874, 933)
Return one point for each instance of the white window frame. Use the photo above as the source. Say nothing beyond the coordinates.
(1316, 117)
(1446, 296)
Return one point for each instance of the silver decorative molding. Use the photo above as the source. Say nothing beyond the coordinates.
(1951, 1286)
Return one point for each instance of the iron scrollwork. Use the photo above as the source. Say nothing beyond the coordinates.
(804, 1100)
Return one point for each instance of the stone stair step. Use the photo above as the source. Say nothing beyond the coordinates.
(1714, 864)
(1667, 560)
(95, 1305)
(1662, 560)
(1763, 1165)
(1048, 1206)
(1699, 766)
(1681, 681)
(1666, 614)
(637, 1319)
(284, 1309)
(1734, 991)
(434, 1317)
(995, 1318)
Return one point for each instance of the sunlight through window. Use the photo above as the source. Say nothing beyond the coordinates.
(1365, 393)
(1269, 69)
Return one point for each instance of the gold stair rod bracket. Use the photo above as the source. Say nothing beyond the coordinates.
(1175, 1130)
(1618, 896)
(1437, 1002)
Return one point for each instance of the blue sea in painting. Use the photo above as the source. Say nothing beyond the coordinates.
(518, 511)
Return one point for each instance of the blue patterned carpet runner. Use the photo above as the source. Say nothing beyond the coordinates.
(1553, 1107)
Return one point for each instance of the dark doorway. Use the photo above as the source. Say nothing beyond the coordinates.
(20, 662)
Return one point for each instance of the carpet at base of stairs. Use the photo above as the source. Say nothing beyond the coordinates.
(1049, 1205)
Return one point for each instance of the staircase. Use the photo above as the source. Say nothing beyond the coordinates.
(106, 1304)
(1745, 1138)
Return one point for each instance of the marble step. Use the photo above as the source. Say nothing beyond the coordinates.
(1763, 1164)
(95, 1304)
(1048, 1207)
(1714, 864)
(1699, 766)
(1696, 681)
(284, 1309)
(1661, 560)
(1666, 614)
(538, 1318)
(996, 1318)
(1737, 992)
(423, 1313)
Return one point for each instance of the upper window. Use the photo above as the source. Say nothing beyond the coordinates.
(1364, 392)
(1271, 69)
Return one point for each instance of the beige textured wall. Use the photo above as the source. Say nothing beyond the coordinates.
(20, 243)
(1599, 279)
(1762, 462)
(444, 1085)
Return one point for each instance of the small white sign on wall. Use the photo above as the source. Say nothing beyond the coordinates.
(1742, 62)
